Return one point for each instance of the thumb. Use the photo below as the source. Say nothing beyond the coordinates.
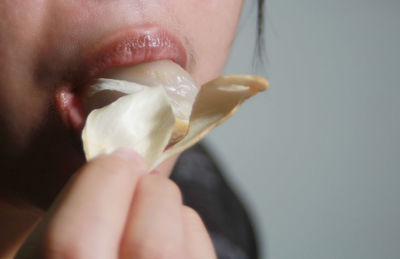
(91, 210)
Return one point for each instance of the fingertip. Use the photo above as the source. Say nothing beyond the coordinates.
(121, 160)
(128, 154)
(155, 172)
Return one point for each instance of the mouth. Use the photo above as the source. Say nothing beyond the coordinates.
(126, 47)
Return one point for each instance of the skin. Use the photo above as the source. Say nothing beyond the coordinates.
(109, 204)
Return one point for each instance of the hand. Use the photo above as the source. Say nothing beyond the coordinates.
(111, 209)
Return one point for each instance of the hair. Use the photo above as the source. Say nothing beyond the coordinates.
(259, 50)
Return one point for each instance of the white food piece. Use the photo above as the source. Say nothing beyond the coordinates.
(180, 87)
(144, 119)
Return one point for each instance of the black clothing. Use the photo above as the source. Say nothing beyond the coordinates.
(205, 190)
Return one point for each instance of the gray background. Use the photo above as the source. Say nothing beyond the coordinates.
(317, 157)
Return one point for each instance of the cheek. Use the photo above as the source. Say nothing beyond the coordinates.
(21, 102)
(211, 27)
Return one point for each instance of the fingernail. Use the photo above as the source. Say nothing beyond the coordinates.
(155, 172)
(127, 154)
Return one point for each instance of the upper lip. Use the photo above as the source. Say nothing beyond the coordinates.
(127, 47)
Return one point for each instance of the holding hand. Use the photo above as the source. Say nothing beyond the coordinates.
(111, 209)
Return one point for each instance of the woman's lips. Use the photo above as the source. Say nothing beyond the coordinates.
(132, 47)
(125, 48)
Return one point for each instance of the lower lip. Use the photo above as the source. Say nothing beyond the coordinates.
(126, 48)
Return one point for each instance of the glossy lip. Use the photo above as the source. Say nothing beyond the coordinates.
(127, 47)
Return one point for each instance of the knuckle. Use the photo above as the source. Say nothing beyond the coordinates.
(171, 189)
(193, 220)
(152, 250)
(191, 215)
(166, 187)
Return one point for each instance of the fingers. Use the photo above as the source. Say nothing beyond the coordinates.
(159, 226)
(89, 217)
(111, 209)
(155, 229)
(197, 239)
